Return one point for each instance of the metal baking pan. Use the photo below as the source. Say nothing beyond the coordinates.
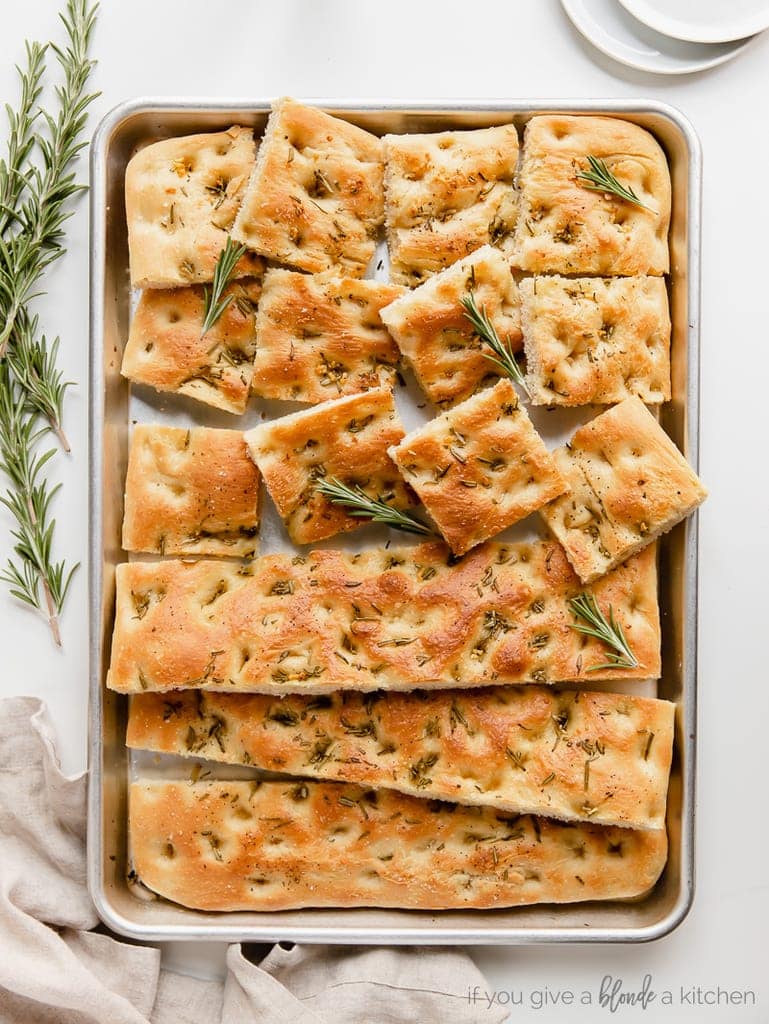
(136, 123)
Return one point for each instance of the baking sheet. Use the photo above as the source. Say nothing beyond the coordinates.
(116, 407)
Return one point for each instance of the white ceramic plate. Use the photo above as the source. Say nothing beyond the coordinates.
(617, 34)
(702, 21)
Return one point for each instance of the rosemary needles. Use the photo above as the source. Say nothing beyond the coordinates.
(600, 179)
(359, 505)
(608, 631)
(36, 184)
(500, 354)
(225, 265)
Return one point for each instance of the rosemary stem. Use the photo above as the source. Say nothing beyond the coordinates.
(50, 605)
(53, 618)
(59, 434)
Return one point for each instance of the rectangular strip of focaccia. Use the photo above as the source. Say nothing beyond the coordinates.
(181, 197)
(628, 484)
(190, 492)
(346, 440)
(320, 336)
(167, 349)
(447, 194)
(565, 227)
(396, 620)
(573, 755)
(315, 200)
(280, 845)
(596, 340)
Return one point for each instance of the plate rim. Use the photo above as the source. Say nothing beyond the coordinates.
(571, 7)
(687, 32)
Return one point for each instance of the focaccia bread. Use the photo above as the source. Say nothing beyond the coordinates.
(592, 340)
(433, 333)
(347, 440)
(315, 199)
(280, 845)
(628, 483)
(320, 336)
(479, 467)
(572, 755)
(181, 197)
(446, 195)
(392, 619)
(190, 492)
(166, 349)
(566, 228)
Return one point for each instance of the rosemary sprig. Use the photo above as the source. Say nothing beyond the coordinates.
(610, 632)
(358, 504)
(21, 136)
(40, 211)
(36, 183)
(225, 265)
(600, 179)
(28, 499)
(484, 328)
(34, 366)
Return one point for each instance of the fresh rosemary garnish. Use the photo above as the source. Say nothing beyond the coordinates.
(600, 179)
(36, 183)
(359, 505)
(610, 632)
(484, 328)
(225, 265)
(28, 499)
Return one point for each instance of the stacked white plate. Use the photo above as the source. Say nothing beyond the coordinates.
(669, 37)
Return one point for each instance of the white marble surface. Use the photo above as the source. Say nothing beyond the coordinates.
(518, 48)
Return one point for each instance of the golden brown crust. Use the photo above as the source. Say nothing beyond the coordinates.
(181, 198)
(166, 349)
(320, 336)
(572, 755)
(566, 228)
(596, 340)
(315, 199)
(382, 619)
(479, 467)
(346, 439)
(276, 846)
(190, 492)
(434, 334)
(628, 485)
(448, 194)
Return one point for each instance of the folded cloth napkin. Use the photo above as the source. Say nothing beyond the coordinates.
(54, 969)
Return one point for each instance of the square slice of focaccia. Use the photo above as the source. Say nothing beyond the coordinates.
(566, 228)
(572, 755)
(347, 440)
(592, 340)
(446, 195)
(181, 198)
(190, 492)
(320, 336)
(315, 199)
(278, 845)
(167, 350)
(479, 467)
(387, 619)
(433, 333)
(628, 483)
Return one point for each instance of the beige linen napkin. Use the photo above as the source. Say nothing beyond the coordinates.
(54, 969)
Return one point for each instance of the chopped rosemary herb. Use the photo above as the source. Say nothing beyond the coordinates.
(225, 265)
(600, 179)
